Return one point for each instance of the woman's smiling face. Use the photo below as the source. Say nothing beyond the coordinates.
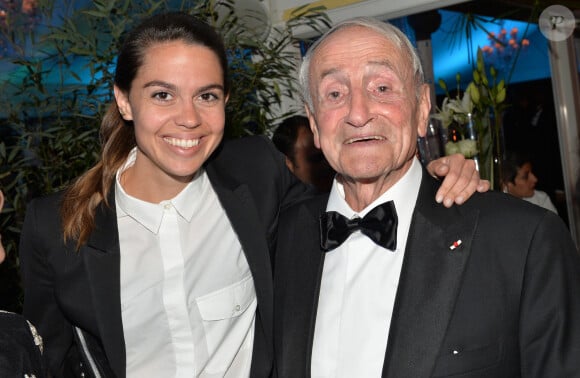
(177, 106)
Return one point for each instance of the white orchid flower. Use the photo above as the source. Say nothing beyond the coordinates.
(463, 106)
(445, 114)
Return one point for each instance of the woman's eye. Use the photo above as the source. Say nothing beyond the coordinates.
(162, 96)
(383, 88)
(208, 97)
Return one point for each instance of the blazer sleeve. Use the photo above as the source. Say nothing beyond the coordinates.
(292, 190)
(40, 306)
(550, 303)
(254, 161)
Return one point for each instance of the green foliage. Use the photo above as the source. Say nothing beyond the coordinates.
(484, 101)
(52, 109)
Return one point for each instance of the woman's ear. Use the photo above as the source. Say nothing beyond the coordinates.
(122, 100)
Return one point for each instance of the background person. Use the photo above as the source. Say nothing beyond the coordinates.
(156, 261)
(376, 278)
(20, 344)
(294, 139)
(520, 181)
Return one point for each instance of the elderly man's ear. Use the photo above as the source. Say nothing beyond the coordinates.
(424, 110)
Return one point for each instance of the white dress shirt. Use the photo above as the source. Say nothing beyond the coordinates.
(358, 288)
(187, 294)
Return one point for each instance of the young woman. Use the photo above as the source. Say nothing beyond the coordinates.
(156, 262)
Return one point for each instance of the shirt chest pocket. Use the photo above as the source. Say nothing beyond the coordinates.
(228, 317)
(229, 302)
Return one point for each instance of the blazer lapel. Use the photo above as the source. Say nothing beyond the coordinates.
(243, 214)
(429, 284)
(314, 275)
(102, 263)
(241, 211)
(300, 273)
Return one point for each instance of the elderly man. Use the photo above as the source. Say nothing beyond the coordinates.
(377, 278)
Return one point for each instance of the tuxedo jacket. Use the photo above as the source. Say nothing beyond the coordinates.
(505, 303)
(67, 290)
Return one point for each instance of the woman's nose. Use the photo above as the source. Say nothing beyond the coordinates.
(189, 116)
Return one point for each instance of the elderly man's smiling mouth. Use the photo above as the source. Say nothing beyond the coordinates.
(366, 138)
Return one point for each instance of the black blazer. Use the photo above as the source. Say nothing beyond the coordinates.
(64, 288)
(508, 299)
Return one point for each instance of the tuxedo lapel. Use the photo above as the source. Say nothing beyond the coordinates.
(429, 285)
(101, 257)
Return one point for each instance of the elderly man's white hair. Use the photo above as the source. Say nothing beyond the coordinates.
(392, 33)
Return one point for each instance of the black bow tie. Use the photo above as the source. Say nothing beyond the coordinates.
(380, 224)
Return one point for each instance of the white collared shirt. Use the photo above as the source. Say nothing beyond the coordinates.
(187, 294)
(358, 288)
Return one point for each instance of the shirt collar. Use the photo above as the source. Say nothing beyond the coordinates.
(403, 193)
(150, 214)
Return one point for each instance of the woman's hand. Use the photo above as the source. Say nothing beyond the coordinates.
(461, 179)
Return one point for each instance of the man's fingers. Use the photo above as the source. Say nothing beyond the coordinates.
(460, 183)
(484, 186)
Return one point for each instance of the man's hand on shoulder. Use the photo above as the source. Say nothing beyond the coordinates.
(461, 179)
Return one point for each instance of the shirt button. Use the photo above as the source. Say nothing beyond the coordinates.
(167, 206)
(238, 307)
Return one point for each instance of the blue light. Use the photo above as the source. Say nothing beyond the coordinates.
(451, 51)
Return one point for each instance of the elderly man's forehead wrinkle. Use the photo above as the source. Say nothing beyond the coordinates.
(329, 72)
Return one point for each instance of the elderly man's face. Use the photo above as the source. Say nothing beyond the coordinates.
(366, 116)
